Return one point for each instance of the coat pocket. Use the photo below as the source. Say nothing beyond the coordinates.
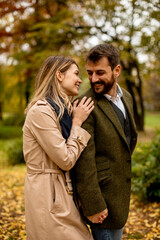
(59, 198)
(104, 173)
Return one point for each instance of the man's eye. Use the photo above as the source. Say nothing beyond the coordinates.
(89, 73)
(100, 73)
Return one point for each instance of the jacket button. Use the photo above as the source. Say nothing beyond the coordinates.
(129, 161)
(128, 180)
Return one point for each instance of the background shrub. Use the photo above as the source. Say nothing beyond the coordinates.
(10, 132)
(16, 119)
(15, 152)
(146, 170)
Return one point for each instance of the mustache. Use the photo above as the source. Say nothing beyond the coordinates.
(99, 82)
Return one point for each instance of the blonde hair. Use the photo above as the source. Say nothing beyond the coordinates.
(47, 84)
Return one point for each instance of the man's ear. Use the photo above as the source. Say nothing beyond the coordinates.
(117, 70)
(59, 76)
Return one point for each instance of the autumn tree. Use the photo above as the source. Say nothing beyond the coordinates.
(125, 24)
(31, 31)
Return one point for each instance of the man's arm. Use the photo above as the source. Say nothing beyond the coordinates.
(86, 177)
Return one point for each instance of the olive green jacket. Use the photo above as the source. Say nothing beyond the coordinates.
(103, 171)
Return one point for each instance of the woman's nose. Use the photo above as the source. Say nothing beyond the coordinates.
(80, 81)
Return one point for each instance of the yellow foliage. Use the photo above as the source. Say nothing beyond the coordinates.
(12, 221)
(143, 221)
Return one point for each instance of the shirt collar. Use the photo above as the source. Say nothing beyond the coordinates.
(119, 94)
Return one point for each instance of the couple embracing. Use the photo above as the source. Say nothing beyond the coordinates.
(78, 155)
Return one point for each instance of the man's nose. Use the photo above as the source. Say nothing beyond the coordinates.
(94, 78)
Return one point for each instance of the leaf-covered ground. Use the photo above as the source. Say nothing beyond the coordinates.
(143, 221)
(12, 219)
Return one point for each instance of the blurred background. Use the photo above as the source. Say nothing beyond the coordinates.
(30, 31)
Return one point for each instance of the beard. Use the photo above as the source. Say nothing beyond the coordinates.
(106, 86)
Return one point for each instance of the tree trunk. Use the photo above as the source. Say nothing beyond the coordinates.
(139, 116)
(28, 85)
(135, 90)
(27, 95)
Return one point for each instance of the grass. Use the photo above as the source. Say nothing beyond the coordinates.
(152, 120)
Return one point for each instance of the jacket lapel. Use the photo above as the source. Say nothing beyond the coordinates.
(129, 110)
(105, 106)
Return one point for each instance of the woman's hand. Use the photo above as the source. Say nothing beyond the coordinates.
(99, 217)
(82, 110)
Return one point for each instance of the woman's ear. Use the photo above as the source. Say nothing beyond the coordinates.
(117, 71)
(59, 76)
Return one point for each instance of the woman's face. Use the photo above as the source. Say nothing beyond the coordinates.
(70, 81)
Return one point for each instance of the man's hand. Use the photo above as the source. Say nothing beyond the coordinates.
(98, 217)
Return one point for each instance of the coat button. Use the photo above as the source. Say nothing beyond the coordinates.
(129, 161)
(80, 139)
(128, 180)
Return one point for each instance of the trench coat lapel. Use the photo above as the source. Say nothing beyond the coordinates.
(105, 106)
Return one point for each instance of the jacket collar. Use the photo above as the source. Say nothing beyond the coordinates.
(106, 107)
(119, 94)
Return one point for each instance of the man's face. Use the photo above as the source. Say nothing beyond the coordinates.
(101, 76)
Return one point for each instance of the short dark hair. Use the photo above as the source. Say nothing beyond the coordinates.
(104, 50)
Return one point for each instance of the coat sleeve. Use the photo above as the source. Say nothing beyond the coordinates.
(88, 189)
(44, 127)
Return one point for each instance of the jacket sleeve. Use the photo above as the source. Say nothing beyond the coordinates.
(88, 188)
(44, 127)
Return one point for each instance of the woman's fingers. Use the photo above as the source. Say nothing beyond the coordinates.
(75, 103)
(90, 109)
(88, 101)
(102, 218)
(99, 217)
(83, 101)
(90, 105)
(82, 110)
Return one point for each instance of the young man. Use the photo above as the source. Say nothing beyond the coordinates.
(103, 172)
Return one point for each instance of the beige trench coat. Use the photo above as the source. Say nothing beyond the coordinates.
(50, 211)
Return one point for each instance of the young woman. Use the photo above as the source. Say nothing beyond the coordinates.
(52, 142)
